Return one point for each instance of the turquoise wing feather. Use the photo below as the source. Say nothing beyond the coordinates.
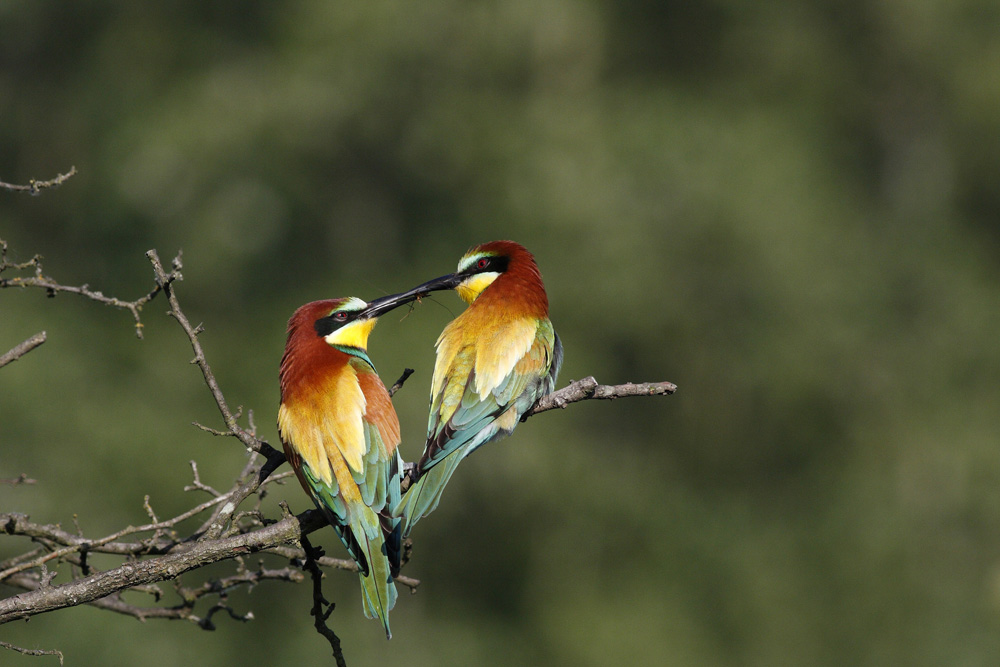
(370, 533)
(477, 419)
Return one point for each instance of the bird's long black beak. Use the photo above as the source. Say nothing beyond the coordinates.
(450, 281)
(384, 304)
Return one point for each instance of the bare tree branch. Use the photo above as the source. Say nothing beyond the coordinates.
(162, 555)
(320, 615)
(183, 558)
(274, 457)
(227, 532)
(22, 349)
(589, 388)
(39, 279)
(34, 652)
(579, 390)
(35, 187)
(407, 372)
(189, 596)
(228, 417)
(296, 554)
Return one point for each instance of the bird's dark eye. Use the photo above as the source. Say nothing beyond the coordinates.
(340, 317)
(482, 263)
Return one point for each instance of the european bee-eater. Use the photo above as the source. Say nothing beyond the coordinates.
(340, 434)
(494, 361)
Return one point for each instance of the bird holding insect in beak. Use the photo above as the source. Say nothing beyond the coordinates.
(340, 434)
(494, 361)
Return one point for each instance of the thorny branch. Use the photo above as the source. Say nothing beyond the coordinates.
(164, 554)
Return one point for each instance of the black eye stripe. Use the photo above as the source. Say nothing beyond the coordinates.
(497, 263)
(324, 326)
(327, 325)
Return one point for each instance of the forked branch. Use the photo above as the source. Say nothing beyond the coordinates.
(53, 287)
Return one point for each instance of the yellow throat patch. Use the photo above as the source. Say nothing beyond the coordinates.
(473, 286)
(354, 334)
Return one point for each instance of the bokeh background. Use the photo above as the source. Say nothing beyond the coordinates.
(788, 209)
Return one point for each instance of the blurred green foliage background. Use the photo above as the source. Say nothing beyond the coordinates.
(788, 209)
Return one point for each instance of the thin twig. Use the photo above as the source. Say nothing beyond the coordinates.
(189, 596)
(407, 372)
(579, 390)
(296, 554)
(217, 524)
(197, 484)
(13, 527)
(20, 558)
(228, 417)
(589, 388)
(253, 480)
(32, 651)
(207, 624)
(18, 524)
(320, 615)
(160, 568)
(35, 187)
(22, 349)
(39, 279)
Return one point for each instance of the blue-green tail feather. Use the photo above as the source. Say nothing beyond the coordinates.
(375, 552)
(423, 497)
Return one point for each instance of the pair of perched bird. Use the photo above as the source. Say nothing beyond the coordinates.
(340, 431)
